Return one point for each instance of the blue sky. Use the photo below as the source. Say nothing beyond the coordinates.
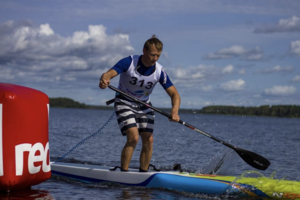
(217, 52)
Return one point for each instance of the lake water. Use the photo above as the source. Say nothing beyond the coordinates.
(277, 139)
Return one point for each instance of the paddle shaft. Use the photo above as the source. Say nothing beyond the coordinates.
(251, 158)
(170, 117)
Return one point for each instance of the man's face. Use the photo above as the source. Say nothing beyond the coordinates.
(151, 56)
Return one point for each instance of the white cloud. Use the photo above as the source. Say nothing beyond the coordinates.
(233, 85)
(272, 101)
(192, 72)
(192, 75)
(242, 71)
(296, 79)
(206, 88)
(276, 69)
(284, 25)
(39, 54)
(278, 90)
(295, 48)
(227, 69)
(46, 30)
(236, 51)
(165, 55)
(227, 53)
(257, 56)
(208, 103)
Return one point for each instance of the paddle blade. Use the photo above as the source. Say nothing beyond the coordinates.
(253, 159)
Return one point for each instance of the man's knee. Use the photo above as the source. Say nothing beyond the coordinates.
(132, 136)
(150, 140)
(147, 139)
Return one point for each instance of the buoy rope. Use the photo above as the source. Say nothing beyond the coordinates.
(85, 139)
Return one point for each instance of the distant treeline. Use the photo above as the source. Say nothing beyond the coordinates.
(62, 102)
(266, 110)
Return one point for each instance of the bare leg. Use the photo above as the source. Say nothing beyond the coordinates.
(132, 140)
(146, 153)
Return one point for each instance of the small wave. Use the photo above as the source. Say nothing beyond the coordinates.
(253, 183)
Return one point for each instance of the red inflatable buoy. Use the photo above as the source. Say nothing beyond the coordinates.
(24, 138)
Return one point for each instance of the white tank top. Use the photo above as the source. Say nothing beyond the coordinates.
(137, 85)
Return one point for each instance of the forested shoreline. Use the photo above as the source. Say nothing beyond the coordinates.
(292, 111)
(265, 110)
(62, 102)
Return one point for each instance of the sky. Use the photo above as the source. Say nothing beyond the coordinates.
(216, 52)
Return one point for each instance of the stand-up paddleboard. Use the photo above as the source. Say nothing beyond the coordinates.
(181, 181)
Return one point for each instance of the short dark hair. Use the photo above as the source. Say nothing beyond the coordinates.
(153, 41)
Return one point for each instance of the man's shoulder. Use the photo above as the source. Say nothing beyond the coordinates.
(125, 62)
(135, 56)
(127, 59)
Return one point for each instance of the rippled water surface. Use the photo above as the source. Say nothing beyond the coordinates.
(277, 139)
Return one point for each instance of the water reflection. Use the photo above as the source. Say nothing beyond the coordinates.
(26, 194)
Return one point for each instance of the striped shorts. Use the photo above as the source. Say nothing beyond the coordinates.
(132, 114)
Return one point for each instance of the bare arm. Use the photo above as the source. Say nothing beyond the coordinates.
(105, 78)
(175, 98)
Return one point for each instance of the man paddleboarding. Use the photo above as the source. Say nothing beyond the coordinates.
(138, 77)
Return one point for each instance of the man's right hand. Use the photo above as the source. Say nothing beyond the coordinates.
(104, 83)
(105, 78)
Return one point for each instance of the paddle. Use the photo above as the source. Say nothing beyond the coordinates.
(249, 157)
